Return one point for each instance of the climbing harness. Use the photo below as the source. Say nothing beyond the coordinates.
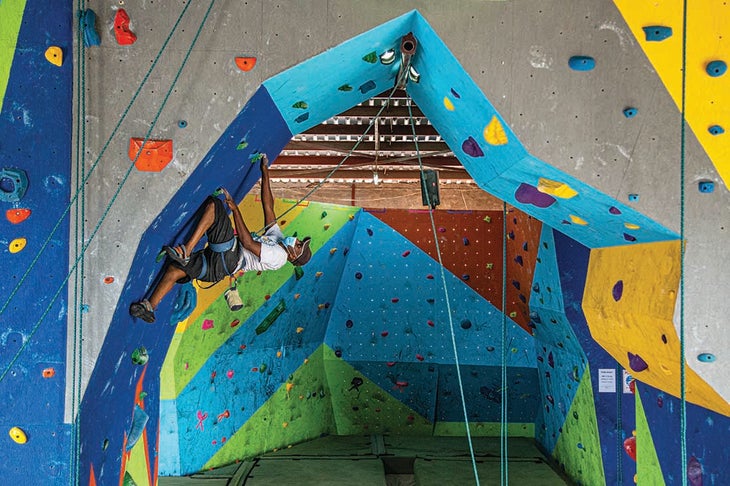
(55, 296)
(446, 297)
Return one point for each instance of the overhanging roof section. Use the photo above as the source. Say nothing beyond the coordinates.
(350, 73)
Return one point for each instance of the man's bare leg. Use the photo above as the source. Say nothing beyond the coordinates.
(172, 275)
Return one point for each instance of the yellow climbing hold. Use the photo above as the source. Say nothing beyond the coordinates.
(17, 434)
(299, 330)
(54, 55)
(632, 226)
(289, 386)
(17, 245)
(494, 134)
(578, 220)
(448, 104)
(555, 188)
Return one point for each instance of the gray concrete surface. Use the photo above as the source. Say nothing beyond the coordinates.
(516, 51)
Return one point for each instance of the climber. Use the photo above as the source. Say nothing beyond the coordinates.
(227, 252)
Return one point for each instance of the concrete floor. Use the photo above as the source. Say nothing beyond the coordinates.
(516, 52)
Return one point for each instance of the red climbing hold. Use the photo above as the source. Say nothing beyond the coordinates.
(384, 333)
(419, 357)
(406, 253)
(154, 156)
(124, 36)
(18, 215)
(245, 63)
(630, 447)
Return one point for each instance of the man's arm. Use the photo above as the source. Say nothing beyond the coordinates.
(267, 198)
(244, 235)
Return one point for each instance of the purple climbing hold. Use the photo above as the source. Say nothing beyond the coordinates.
(349, 324)
(694, 471)
(368, 86)
(528, 194)
(637, 363)
(456, 95)
(370, 232)
(614, 210)
(519, 261)
(551, 360)
(618, 290)
(629, 237)
(358, 275)
(516, 284)
(471, 147)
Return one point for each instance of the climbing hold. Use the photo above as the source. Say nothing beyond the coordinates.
(555, 188)
(637, 363)
(152, 156)
(694, 472)
(448, 104)
(581, 63)
(633, 197)
(345, 87)
(242, 144)
(394, 300)
(656, 33)
(513, 314)
(370, 57)
(465, 277)
(17, 245)
(235, 322)
(124, 36)
(298, 273)
(494, 133)
(490, 266)
(13, 184)
(614, 210)
(629, 237)
(207, 324)
(384, 333)
(302, 105)
(618, 290)
(430, 323)
(630, 447)
(54, 55)
(471, 148)
(273, 315)
(349, 324)
(528, 194)
(87, 22)
(706, 357)
(367, 86)
(332, 251)
(182, 124)
(139, 421)
(299, 330)
(466, 324)
(631, 226)
(18, 435)
(302, 118)
(488, 219)
(706, 187)
(18, 215)
(406, 253)
(429, 276)
(388, 57)
(318, 274)
(140, 356)
(358, 275)
(338, 353)
(716, 130)
(578, 220)
(465, 240)
(370, 232)
(630, 112)
(49, 373)
(419, 357)
(716, 68)
(245, 63)
(326, 226)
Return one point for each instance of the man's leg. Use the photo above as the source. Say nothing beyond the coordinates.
(172, 275)
(207, 218)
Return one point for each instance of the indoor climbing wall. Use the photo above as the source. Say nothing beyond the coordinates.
(35, 173)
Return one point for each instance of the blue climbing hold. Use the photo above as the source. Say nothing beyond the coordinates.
(633, 197)
(139, 421)
(581, 63)
(706, 187)
(13, 184)
(630, 112)
(706, 357)
(716, 130)
(182, 124)
(657, 33)
(716, 68)
(87, 23)
(185, 303)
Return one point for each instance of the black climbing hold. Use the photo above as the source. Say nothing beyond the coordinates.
(516, 284)
(465, 324)
(370, 232)
(349, 324)
(358, 275)
(536, 288)
(656, 33)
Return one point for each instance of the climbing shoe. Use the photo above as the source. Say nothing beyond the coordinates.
(177, 254)
(142, 310)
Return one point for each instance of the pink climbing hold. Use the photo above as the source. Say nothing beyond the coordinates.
(419, 357)
(229, 374)
(207, 324)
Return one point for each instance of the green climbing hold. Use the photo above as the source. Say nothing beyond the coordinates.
(301, 105)
(371, 57)
(262, 368)
(269, 320)
(140, 356)
(298, 272)
(345, 87)
(242, 145)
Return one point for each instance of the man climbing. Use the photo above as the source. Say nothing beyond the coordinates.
(227, 252)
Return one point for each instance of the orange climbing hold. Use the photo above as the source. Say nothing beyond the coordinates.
(245, 63)
(16, 216)
(124, 36)
(154, 156)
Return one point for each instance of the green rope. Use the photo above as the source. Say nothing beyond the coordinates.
(446, 296)
(503, 432)
(96, 162)
(682, 355)
(336, 167)
(114, 197)
(619, 429)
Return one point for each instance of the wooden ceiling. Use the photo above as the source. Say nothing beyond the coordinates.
(376, 138)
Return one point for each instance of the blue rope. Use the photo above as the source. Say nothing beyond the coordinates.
(446, 297)
(682, 355)
(113, 199)
(98, 159)
(503, 432)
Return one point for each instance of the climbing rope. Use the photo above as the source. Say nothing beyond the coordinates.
(79, 218)
(336, 167)
(503, 432)
(114, 197)
(446, 296)
(682, 353)
(96, 162)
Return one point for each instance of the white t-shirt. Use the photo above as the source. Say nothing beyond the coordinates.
(273, 256)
